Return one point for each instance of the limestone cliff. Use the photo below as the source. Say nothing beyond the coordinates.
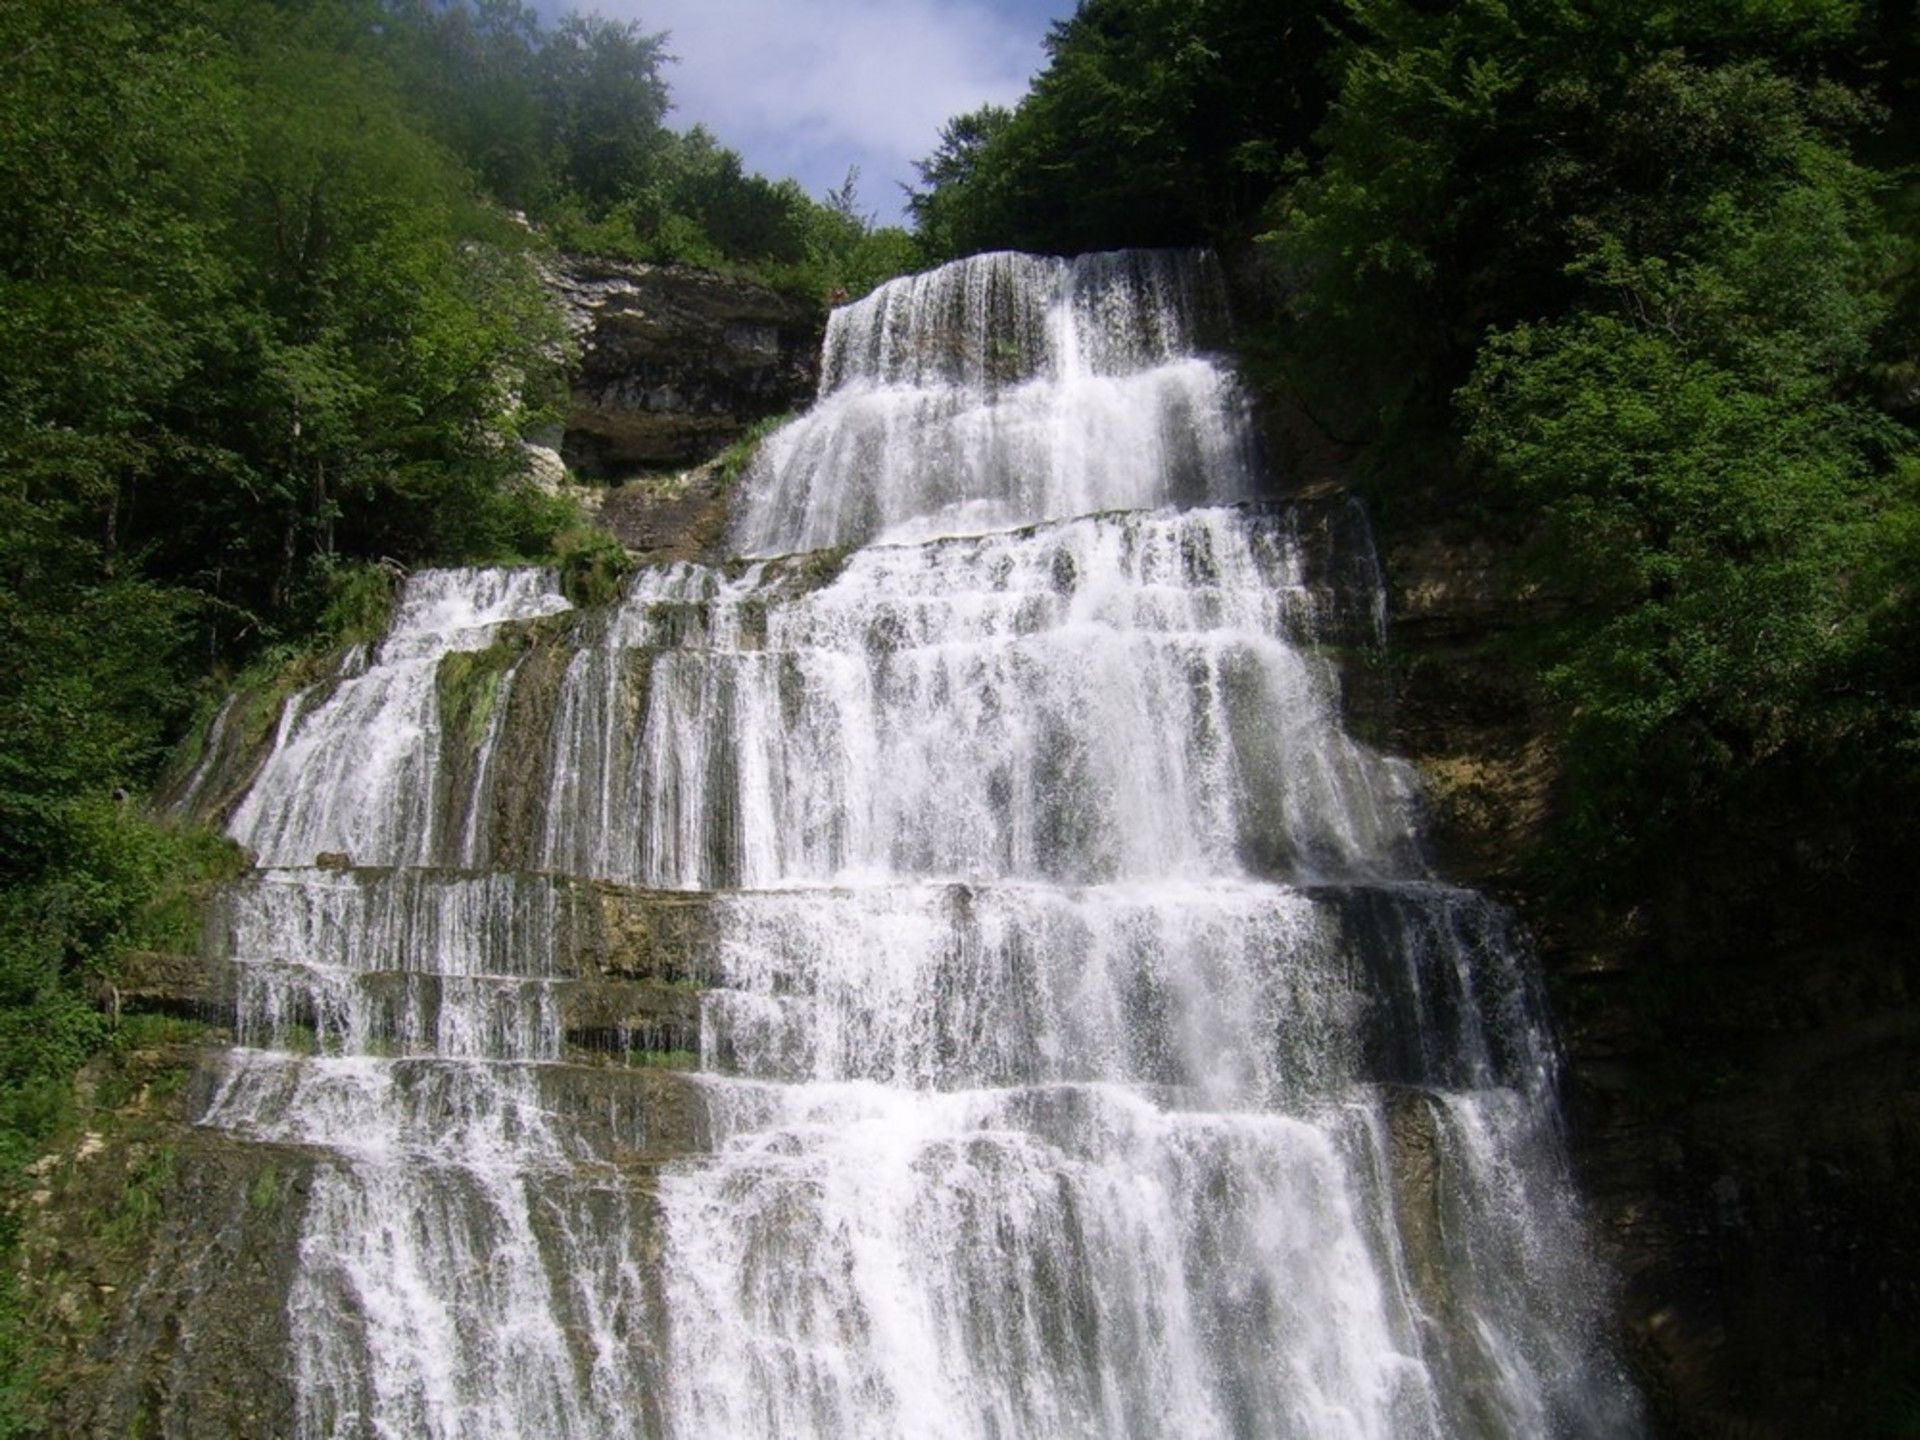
(676, 363)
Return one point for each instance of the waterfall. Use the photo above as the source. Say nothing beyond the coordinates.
(1084, 1049)
(1005, 390)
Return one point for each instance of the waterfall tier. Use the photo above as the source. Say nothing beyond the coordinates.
(1004, 390)
(1084, 1049)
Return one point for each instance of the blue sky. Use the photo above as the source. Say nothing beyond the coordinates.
(805, 88)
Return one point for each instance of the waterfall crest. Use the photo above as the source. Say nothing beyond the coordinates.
(1002, 390)
(1084, 1048)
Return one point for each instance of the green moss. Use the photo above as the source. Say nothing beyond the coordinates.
(140, 1202)
(470, 683)
(666, 1059)
(87, 1211)
(358, 601)
(485, 694)
(359, 604)
(1006, 358)
(297, 1038)
(820, 568)
(142, 1032)
(265, 1190)
(191, 748)
(265, 686)
(735, 459)
(189, 863)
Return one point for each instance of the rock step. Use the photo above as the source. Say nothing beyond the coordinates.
(286, 1004)
(541, 1115)
(612, 1016)
(482, 921)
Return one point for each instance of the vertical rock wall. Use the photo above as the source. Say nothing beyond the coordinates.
(676, 363)
(1747, 1129)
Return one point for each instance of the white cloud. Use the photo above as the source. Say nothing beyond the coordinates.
(807, 87)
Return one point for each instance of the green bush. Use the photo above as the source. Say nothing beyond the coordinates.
(737, 458)
(594, 567)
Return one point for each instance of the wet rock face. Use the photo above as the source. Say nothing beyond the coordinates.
(1747, 1127)
(676, 363)
(158, 1254)
(629, 967)
(157, 1259)
(664, 518)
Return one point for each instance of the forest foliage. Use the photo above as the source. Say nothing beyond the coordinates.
(271, 324)
(1633, 282)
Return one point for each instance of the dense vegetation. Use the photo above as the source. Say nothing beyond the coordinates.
(269, 330)
(1633, 282)
(568, 125)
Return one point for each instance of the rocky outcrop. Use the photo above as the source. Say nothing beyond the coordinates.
(676, 363)
(155, 1261)
(1746, 1128)
(664, 518)
(157, 1256)
(633, 963)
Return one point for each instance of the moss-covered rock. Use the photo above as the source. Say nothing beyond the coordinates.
(594, 566)
(221, 755)
(155, 1259)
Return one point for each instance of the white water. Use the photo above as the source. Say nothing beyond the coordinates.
(1091, 1054)
(357, 774)
(1002, 391)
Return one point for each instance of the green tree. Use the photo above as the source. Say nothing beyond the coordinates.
(604, 101)
(954, 212)
(1471, 152)
(1155, 122)
(474, 71)
(1707, 474)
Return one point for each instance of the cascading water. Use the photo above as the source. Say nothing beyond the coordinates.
(1086, 1051)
